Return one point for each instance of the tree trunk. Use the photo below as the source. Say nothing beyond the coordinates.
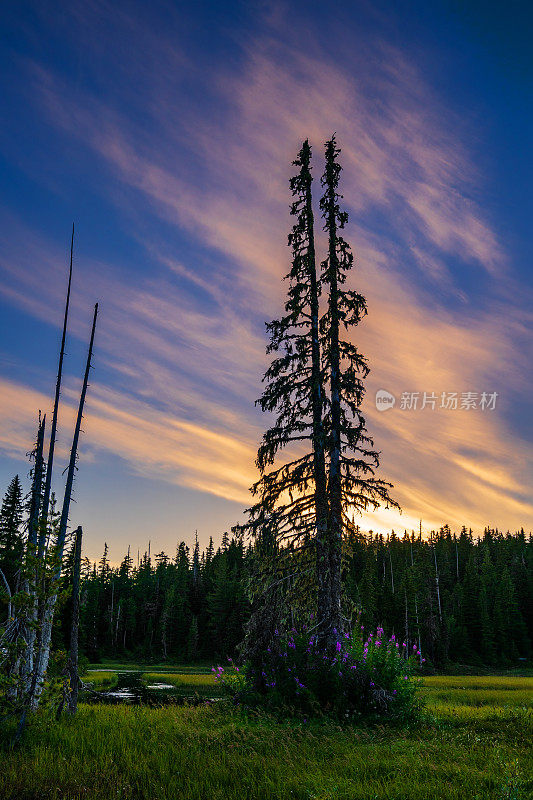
(8, 592)
(73, 657)
(437, 583)
(335, 486)
(32, 575)
(319, 466)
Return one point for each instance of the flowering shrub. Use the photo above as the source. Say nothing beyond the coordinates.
(371, 676)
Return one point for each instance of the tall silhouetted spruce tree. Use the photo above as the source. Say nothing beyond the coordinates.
(293, 498)
(351, 458)
(306, 500)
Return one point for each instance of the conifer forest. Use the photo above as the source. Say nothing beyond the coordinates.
(464, 599)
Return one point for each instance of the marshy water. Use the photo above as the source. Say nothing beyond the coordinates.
(132, 689)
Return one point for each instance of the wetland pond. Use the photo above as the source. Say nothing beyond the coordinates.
(131, 688)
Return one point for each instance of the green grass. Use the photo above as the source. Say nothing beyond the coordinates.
(100, 680)
(136, 666)
(202, 684)
(471, 691)
(462, 749)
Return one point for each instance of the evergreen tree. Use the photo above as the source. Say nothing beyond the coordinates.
(293, 496)
(193, 640)
(352, 461)
(11, 532)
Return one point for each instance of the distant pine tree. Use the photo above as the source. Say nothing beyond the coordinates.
(11, 532)
(193, 640)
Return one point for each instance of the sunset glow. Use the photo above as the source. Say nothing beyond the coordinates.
(170, 148)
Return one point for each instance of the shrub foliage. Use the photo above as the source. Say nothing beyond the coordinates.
(367, 676)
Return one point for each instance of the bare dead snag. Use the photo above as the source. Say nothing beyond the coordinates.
(50, 602)
(53, 429)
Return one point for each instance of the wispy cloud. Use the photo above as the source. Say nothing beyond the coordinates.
(184, 347)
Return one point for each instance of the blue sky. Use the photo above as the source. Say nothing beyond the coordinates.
(166, 133)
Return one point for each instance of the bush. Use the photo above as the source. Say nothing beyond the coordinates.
(370, 677)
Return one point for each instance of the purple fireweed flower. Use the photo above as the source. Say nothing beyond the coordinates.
(338, 647)
(372, 683)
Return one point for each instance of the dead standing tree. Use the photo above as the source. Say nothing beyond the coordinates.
(31, 624)
(53, 429)
(43, 654)
(31, 561)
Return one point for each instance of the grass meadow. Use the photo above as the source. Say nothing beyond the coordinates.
(101, 679)
(473, 743)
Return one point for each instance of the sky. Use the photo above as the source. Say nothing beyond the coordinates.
(165, 132)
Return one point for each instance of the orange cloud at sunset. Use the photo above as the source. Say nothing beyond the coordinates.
(204, 198)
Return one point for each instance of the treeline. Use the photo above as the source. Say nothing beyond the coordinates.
(188, 608)
(463, 599)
